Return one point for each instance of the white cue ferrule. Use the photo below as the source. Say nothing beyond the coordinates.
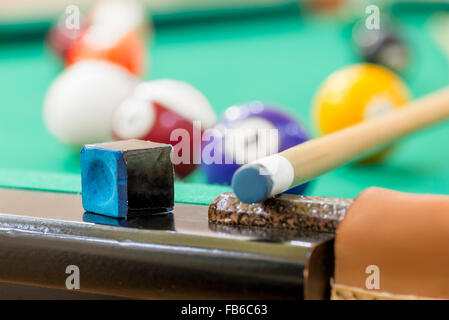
(280, 171)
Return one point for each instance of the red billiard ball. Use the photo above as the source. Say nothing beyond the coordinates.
(157, 109)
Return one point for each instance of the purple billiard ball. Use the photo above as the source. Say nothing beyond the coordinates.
(246, 133)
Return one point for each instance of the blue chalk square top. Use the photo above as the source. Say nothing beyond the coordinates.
(103, 181)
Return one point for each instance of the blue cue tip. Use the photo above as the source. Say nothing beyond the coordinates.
(250, 186)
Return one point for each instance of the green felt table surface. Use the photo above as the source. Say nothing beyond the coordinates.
(280, 58)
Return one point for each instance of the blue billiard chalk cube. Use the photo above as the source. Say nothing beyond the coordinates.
(127, 177)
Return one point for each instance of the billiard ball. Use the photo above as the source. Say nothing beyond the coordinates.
(101, 42)
(323, 5)
(357, 93)
(383, 46)
(125, 15)
(246, 133)
(116, 29)
(115, 33)
(78, 105)
(157, 109)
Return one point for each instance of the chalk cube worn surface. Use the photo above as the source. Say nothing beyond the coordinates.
(127, 177)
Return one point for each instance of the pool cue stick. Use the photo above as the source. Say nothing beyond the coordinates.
(266, 177)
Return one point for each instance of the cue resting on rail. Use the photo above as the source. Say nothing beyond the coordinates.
(266, 177)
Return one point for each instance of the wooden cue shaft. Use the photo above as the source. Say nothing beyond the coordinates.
(266, 177)
(315, 157)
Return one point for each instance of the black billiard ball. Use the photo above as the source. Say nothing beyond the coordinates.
(382, 46)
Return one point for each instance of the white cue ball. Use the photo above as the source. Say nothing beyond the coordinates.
(80, 102)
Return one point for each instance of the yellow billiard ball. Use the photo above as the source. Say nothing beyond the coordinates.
(356, 93)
